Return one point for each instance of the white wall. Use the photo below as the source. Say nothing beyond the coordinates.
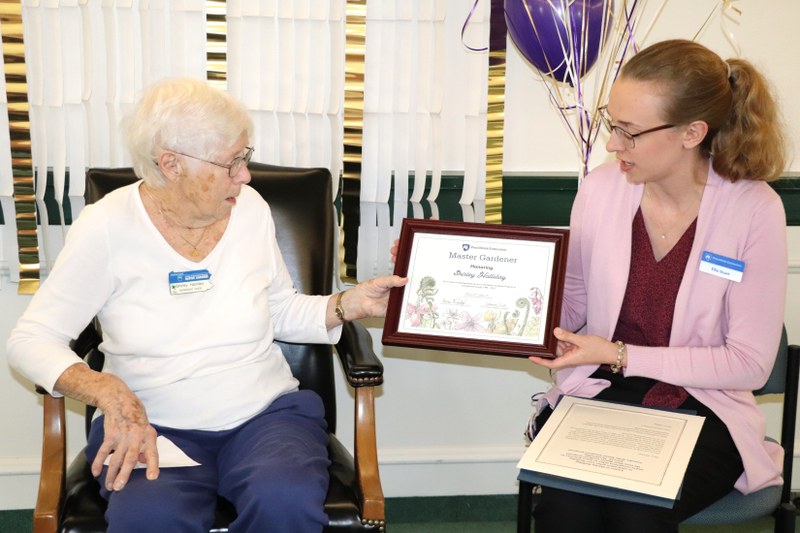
(451, 424)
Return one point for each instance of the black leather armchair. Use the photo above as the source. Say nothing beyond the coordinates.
(301, 203)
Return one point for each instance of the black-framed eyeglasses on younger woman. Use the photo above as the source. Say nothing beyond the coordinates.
(627, 137)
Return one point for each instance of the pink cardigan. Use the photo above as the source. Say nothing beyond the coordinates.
(724, 335)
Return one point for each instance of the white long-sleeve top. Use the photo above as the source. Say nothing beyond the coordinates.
(202, 360)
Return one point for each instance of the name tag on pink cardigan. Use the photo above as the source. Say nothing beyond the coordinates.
(724, 267)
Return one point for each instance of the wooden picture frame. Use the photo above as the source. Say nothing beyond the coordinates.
(482, 288)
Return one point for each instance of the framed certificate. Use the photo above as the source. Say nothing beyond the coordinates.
(480, 288)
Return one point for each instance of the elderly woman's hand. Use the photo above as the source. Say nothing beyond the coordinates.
(574, 349)
(367, 299)
(129, 438)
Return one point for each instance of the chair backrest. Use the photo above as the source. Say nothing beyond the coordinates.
(776, 383)
(784, 380)
(302, 207)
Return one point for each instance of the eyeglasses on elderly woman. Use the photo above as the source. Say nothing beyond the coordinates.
(233, 167)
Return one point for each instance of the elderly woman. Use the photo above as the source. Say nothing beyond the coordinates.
(192, 362)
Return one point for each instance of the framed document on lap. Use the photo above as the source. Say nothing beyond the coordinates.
(613, 450)
(481, 288)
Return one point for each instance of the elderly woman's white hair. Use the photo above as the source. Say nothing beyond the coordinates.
(186, 115)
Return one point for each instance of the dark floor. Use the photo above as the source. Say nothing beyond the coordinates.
(511, 527)
(493, 514)
(453, 514)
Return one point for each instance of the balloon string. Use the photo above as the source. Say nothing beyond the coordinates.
(464, 29)
(565, 53)
(646, 34)
(705, 23)
(630, 26)
(725, 17)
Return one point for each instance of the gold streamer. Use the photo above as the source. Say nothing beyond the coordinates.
(20, 135)
(495, 115)
(217, 44)
(355, 45)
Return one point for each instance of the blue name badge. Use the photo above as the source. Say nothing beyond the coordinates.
(724, 267)
(189, 282)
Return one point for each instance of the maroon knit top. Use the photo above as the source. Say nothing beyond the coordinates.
(649, 304)
(646, 315)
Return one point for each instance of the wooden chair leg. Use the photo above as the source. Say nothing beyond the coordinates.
(524, 507)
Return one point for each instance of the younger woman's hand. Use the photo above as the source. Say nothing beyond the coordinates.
(574, 349)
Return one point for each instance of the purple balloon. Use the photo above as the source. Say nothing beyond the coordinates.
(539, 30)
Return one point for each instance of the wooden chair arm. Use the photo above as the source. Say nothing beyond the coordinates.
(364, 370)
(366, 458)
(54, 465)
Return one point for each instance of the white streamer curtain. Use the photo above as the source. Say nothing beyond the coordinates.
(286, 63)
(404, 69)
(87, 61)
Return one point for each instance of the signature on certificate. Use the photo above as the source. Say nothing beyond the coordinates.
(521, 316)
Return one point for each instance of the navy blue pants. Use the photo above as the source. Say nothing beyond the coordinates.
(273, 468)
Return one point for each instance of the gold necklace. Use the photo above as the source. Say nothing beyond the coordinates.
(179, 227)
(660, 227)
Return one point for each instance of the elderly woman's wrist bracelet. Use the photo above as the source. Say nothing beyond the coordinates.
(616, 367)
